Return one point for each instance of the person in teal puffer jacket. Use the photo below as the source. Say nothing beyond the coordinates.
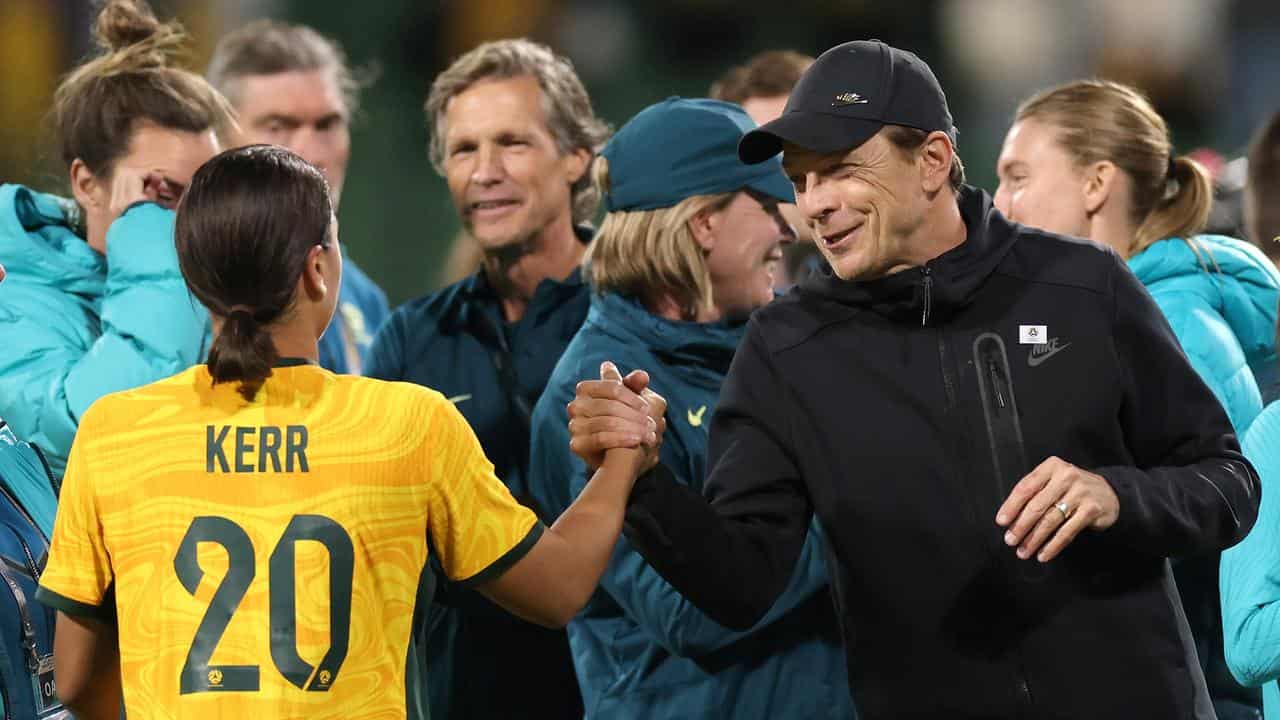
(687, 250)
(1251, 574)
(26, 475)
(1093, 159)
(94, 302)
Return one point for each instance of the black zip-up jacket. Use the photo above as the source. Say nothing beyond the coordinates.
(903, 411)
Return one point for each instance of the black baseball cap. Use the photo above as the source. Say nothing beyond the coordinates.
(847, 95)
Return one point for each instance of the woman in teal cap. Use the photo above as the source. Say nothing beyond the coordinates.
(94, 302)
(687, 251)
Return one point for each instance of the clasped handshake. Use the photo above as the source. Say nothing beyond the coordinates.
(615, 413)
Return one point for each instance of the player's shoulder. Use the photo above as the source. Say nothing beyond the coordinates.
(124, 406)
(395, 399)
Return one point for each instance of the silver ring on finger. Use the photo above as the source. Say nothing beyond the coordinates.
(1063, 508)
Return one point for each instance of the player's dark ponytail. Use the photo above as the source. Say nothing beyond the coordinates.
(242, 351)
(244, 231)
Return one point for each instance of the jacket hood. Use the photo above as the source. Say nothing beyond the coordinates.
(703, 350)
(38, 244)
(1231, 276)
(941, 286)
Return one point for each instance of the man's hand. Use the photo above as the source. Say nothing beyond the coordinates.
(1056, 500)
(616, 412)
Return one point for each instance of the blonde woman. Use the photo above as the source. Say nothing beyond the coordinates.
(687, 251)
(1093, 159)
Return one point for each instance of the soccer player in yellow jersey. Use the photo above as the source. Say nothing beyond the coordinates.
(245, 539)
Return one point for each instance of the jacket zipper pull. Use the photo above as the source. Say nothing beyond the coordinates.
(995, 383)
(927, 282)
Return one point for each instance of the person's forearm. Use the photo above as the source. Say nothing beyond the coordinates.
(87, 667)
(682, 628)
(1170, 511)
(732, 569)
(591, 525)
(102, 704)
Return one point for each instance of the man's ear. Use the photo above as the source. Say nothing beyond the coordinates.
(576, 164)
(936, 157)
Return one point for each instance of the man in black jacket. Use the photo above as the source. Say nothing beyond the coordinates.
(995, 426)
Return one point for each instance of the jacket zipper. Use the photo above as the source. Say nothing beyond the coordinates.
(8, 496)
(24, 613)
(1024, 694)
(48, 473)
(947, 384)
(995, 384)
(32, 567)
(1000, 410)
(926, 283)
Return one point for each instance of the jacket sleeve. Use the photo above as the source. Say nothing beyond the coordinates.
(732, 552)
(680, 627)
(1215, 354)
(1188, 489)
(150, 327)
(556, 476)
(1250, 571)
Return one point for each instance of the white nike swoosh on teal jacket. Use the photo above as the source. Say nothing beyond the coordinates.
(77, 325)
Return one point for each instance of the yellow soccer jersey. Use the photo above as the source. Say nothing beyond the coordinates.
(264, 556)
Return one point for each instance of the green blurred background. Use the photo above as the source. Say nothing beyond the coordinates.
(1209, 65)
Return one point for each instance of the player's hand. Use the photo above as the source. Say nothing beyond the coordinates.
(1051, 505)
(132, 185)
(616, 412)
(658, 416)
(1, 273)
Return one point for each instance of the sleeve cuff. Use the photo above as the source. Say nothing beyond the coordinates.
(104, 611)
(140, 243)
(138, 203)
(508, 559)
(654, 480)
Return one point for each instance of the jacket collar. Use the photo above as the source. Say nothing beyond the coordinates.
(38, 242)
(704, 345)
(938, 289)
(1229, 275)
(477, 294)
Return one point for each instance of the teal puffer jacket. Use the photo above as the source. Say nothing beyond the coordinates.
(1220, 297)
(76, 325)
